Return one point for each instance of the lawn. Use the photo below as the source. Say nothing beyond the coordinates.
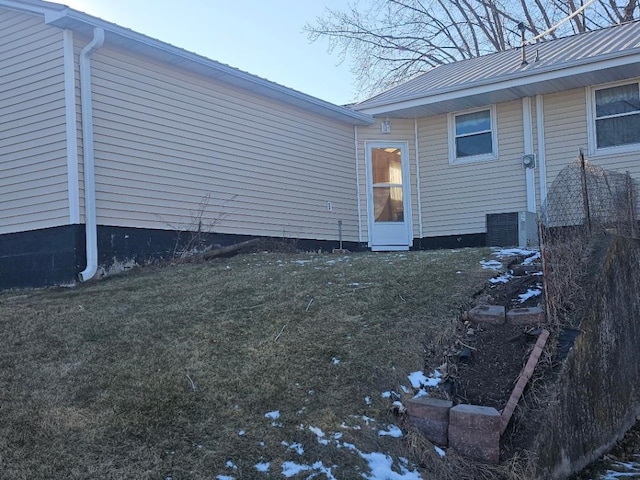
(265, 365)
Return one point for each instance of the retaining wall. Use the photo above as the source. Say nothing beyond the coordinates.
(597, 397)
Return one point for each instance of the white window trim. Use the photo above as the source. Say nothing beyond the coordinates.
(451, 123)
(594, 151)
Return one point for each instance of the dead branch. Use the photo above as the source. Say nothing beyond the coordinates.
(229, 249)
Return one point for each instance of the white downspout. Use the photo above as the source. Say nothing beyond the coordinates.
(88, 155)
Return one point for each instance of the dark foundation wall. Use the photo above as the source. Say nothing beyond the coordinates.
(597, 396)
(38, 258)
(56, 256)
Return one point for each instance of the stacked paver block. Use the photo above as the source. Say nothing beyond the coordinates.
(474, 431)
(493, 314)
(431, 417)
(526, 316)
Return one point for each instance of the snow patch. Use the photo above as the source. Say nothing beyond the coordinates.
(320, 434)
(273, 415)
(392, 431)
(290, 469)
(262, 466)
(530, 293)
(491, 265)
(380, 466)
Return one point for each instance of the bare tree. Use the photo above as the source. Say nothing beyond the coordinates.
(390, 41)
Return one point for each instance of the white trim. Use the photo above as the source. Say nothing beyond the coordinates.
(355, 139)
(73, 183)
(451, 134)
(418, 195)
(527, 127)
(515, 80)
(406, 187)
(88, 155)
(542, 159)
(594, 151)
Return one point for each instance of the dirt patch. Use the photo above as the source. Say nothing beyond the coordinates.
(488, 377)
(485, 360)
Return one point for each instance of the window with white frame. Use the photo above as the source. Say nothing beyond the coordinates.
(472, 136)
(617, 116)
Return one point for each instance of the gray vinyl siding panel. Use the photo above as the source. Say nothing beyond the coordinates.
(456, 198)
(165, 140)
(33, 175)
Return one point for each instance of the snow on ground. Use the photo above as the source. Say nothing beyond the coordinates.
(290, 469)
(622, 470)
(421, 382)
(511, 252)
(504, 278)
(439, 451)
(531, 292)
(392, 431)
(491, 265)
(380, 466)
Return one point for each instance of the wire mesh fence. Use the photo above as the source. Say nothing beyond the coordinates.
(583, 201)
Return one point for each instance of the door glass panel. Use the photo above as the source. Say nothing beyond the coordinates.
(388, 205)
(387, 166)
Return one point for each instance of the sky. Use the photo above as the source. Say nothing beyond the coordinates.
(262, 37)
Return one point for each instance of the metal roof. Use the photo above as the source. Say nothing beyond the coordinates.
(82, 23)
(590, 58)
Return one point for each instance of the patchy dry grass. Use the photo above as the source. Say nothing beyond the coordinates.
(169, 372)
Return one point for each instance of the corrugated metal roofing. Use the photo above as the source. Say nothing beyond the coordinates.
(547, 56)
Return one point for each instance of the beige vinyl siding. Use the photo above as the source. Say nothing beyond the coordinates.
(456, 198)
(566, 125)
(402, 130)
(33, 174)
(165, 140)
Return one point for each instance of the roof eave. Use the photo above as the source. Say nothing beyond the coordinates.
(538, 82)
(67, 18)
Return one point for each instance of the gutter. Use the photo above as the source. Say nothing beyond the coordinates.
(88, 154)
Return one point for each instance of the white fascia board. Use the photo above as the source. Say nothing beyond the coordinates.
(67, 16)
(518, 80)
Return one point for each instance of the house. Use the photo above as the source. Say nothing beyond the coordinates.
(135, 139)
(488, 135)
(111, 142)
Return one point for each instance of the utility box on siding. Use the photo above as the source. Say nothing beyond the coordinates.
(514, 229)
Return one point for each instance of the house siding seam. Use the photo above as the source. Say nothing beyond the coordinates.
(33, 158)
(165, 139)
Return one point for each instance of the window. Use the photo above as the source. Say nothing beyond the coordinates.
(617, 116)
(472, 136)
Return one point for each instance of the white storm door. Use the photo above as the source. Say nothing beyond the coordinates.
(388, 196)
